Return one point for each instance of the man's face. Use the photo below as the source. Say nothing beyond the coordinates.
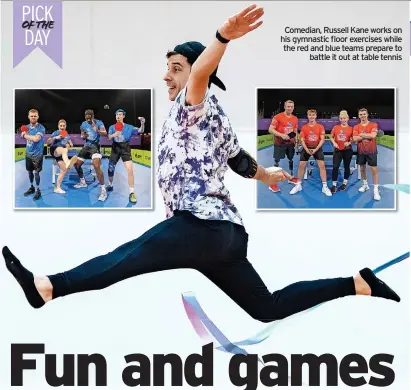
(363, 115)
(289, 108)
(33, 117)
(177, 75)
(89, 117)
(343, 119)
(120, 117)
(312, 116)
(62, 126)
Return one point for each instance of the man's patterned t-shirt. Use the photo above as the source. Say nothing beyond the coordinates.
(195, 144)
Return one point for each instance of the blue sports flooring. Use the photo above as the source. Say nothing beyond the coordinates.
(84, 197)
(311, 196)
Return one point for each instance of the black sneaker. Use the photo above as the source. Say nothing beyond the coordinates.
(30, 191)
(342, 187)
(109, 188)
(333, 189)
(37, 196)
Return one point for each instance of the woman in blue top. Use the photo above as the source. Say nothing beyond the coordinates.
(60, 143)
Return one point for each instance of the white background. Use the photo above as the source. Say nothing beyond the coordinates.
(123, 45)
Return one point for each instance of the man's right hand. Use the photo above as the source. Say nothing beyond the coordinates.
(285, 137)
(271, 178)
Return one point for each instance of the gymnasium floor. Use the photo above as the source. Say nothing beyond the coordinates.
(84, 197)
(311, 196)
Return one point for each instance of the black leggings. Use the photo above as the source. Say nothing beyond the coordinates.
(217, 249)
(338, 156)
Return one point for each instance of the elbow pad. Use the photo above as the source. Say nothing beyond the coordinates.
(243, 164)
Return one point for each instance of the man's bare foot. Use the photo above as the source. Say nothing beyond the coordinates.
(44, 287)
(361, 286)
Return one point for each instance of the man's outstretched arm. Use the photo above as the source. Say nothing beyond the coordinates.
(234, 28)
(246, 166)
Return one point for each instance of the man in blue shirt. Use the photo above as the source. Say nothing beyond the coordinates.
(121, 134)
(34, 133)
(91, 130)
(203, 230)
(60, 142)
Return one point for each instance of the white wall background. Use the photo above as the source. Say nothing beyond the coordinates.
(145, 314)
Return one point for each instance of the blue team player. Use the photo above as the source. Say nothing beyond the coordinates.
(91, 130)
(60, 143)
(34, 134)
(121, 134)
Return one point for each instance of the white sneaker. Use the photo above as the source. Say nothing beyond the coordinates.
(364, 188)
(377, 195)
(297, 188)
(103, 196)
(327, 191)
(82, 184)
(59, 191)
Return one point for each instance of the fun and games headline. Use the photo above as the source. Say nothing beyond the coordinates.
(245, 371)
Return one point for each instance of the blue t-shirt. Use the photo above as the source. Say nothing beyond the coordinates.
(60, 142)
(126, 134)
(93, 138)
(35, 149)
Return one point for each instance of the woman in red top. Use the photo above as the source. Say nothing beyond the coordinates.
(342, 139)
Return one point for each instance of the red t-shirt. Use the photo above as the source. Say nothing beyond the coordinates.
(312, 134)
(366, 146)
(342, 134)
(284, 124)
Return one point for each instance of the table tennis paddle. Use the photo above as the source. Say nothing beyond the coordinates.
(292, 135)
(63, 133)
(24, 129)
(119, 126)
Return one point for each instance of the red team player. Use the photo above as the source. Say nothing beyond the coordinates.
(342, 139)
(312, 138)
(281, 126)
(365, 134)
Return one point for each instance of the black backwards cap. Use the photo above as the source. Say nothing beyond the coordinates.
(192, 50)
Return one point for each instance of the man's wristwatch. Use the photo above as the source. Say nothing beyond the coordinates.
(221, 38)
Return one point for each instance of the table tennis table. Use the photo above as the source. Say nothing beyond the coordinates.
(328, 150)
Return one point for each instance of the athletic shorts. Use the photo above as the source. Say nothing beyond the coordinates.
(88, 151)
(120, 150)
(53, 149)
(370, 159)
(318, 155)
(280, 151)
(34, 163)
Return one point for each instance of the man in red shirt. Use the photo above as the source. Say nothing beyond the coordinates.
(281, 126)
(312, 138)
(365, 134)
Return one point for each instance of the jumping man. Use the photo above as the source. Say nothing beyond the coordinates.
(203, 230)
